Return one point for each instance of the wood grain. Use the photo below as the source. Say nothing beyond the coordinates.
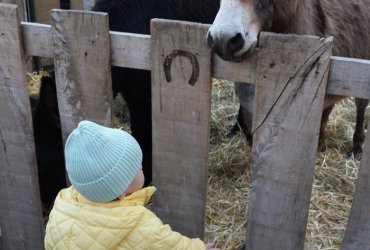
(82, 64)
(292, 74)
(38, 39)
(20, 5)
(349, 77)
(357, 234)
(21, 222)
(181, 123)
(130, 50)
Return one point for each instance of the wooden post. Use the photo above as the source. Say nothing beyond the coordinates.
(21, 223)
(357, 234)
(82, 65)
(181, 99)
(292, 74)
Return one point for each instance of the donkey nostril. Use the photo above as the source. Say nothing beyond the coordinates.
(210, 42)
(235, 44)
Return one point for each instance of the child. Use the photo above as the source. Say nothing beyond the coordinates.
(104, 207)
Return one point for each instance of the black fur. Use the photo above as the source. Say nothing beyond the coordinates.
(48, 142)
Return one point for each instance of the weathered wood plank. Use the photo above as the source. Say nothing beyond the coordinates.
(20, 5)
(21, 223)
(292, 74)
(181, 123)
(38, 39)
(240, 72)
(349, 77)
(82, 64)
(130, 50)
(357, 234)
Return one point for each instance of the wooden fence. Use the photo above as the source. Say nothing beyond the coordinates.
(290, 72)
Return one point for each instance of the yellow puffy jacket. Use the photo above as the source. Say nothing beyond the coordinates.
(77, 223)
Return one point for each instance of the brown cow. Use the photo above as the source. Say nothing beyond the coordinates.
(234, 34)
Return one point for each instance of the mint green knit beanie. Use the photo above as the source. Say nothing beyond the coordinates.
(101, 162)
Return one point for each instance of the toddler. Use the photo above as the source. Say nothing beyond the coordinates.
(104, 207)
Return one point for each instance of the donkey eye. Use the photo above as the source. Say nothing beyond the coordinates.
(262, 6)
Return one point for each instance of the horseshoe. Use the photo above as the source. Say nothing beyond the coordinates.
(193, 60)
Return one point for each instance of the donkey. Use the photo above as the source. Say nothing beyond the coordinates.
(234, 34)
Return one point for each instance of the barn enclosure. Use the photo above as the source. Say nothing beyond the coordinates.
(291, 73)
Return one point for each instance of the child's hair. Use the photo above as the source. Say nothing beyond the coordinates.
(101, 162)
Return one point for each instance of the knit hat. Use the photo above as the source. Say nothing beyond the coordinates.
(101, 162)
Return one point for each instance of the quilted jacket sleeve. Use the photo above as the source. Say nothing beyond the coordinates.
(163, 237)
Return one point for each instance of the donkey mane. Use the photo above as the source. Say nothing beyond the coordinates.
(344, 20)
(321, 21)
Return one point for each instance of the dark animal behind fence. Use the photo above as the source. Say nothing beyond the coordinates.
(48, 142)
(135, 85)
(234, 35)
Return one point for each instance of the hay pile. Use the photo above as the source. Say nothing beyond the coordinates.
(34, 84)
(335, 177)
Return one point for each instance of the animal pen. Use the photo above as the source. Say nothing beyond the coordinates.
(291, 75)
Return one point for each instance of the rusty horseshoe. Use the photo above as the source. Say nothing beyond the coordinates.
(193, 60)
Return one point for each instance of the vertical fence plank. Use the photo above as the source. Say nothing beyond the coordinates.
(357, 234)
(82, 65)
(20, 4)
(181, 97)
(292, 73)
(21, 224)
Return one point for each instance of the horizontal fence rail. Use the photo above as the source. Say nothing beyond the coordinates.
(347, 77)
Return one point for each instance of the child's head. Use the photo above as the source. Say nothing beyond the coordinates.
(102, 162)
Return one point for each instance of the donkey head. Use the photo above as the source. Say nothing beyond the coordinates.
(234, 33)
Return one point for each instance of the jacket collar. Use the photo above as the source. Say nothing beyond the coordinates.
(140, 197)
